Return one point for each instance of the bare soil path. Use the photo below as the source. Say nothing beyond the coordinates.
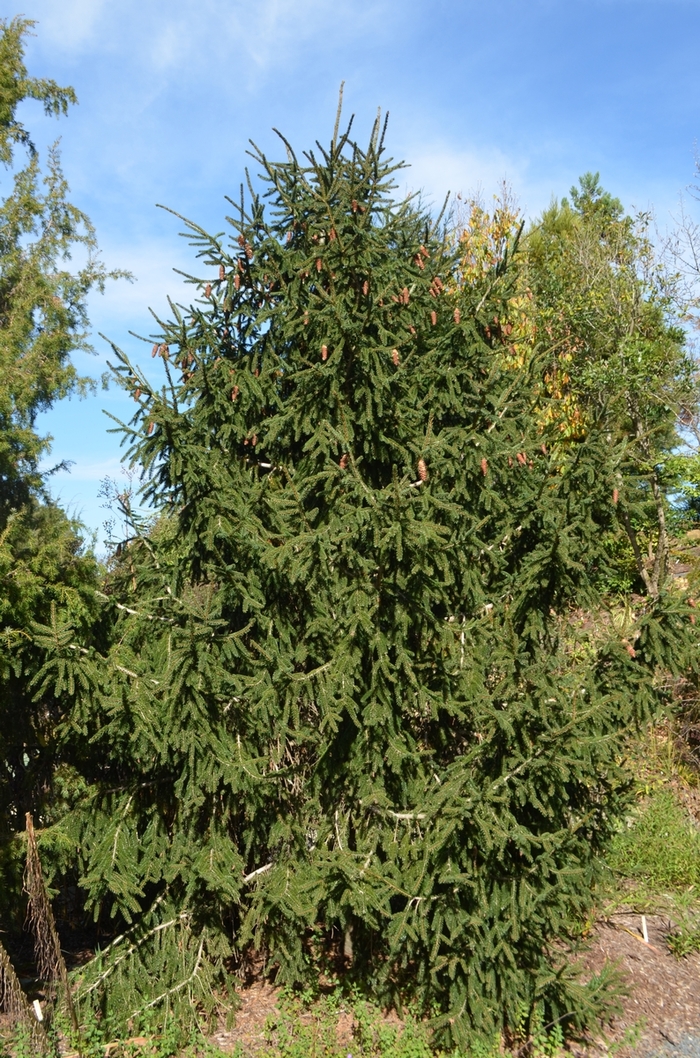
(664, 992)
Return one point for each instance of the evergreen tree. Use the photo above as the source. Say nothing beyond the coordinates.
(348, 711)
(43, 559)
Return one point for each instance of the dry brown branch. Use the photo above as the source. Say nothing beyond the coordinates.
(14, 1003)
(51, 966)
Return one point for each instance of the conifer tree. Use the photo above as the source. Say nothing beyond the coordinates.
(43, 557)
(348, 710)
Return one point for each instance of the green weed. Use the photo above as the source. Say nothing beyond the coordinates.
(537, 1039)
(684, 941)
(311, 1031)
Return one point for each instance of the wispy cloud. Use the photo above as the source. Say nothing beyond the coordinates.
(440, 168)
(227, 39)
(70, 25)
(82, 470)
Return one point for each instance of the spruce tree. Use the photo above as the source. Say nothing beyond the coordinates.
(349, 711)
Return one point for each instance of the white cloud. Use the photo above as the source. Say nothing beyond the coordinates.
(81, 470)
(70, 25)
(226, 40)
(125, 304)
(439, 168)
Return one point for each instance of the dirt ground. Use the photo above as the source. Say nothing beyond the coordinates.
(661, 1010)
(664, 992)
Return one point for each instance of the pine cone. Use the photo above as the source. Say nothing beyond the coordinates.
(395, 358)
(422, 470)
(343, 462)
(234, 392)
(155, 350)
(207, 290)
(365, 287)
(433, 317)
(484, 467)
(324, 352)
(457, 316)
(222, 272)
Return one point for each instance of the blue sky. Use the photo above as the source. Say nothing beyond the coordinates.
(536, 92)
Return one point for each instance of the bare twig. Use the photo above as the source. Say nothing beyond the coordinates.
(254, 874)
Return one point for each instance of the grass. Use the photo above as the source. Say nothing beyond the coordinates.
(656, 858)
(301, 1030)
(660, 850)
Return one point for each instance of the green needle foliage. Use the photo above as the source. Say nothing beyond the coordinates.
(43, 317)
(43, 561)
(346, 715)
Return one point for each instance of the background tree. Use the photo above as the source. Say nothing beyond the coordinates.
(682, 251)
(603, 302)
(342, 716)
(600, 302)
(43, 560)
